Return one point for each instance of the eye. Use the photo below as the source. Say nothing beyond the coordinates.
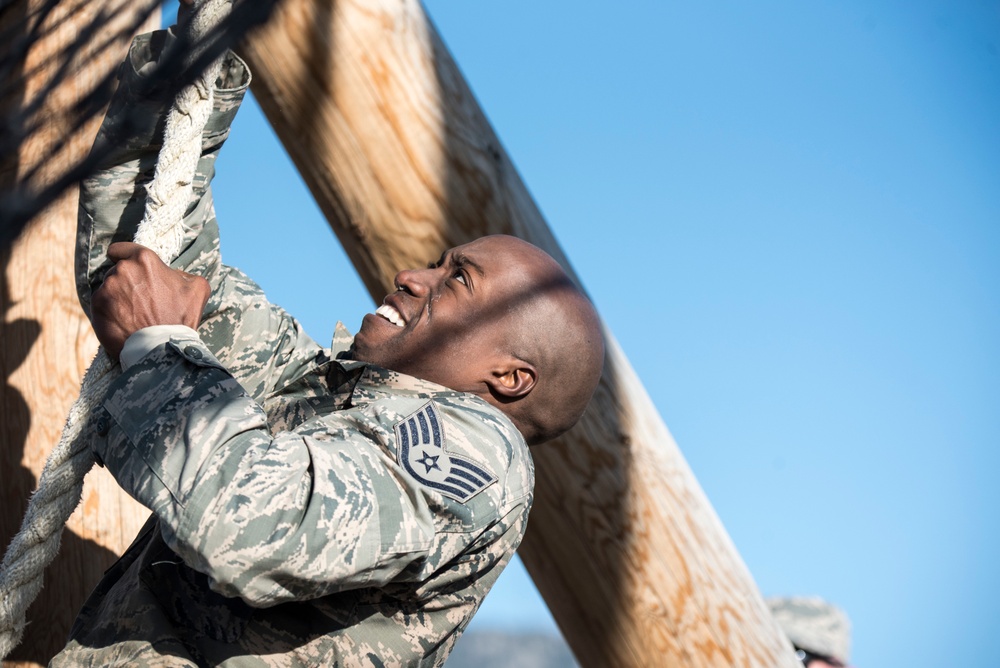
(460, 277)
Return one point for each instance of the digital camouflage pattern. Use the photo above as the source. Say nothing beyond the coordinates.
(287, 527)
(814, 625)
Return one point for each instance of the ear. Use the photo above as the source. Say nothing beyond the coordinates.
(513, 380)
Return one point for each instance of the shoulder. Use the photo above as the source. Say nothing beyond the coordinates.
(454, 445)
(481, 431)
(478, 446)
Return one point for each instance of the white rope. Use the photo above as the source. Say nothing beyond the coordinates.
(61, 483)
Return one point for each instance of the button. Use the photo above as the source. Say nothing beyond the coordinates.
(103, 426)
(194, 352)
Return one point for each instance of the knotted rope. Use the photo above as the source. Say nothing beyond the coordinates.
(61, 483)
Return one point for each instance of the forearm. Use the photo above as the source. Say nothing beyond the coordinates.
(112, 201)
(247, 333)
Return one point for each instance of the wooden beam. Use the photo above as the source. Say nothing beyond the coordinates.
(622, 543)
(47, 341)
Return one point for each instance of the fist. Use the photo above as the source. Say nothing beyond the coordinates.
(141, 291)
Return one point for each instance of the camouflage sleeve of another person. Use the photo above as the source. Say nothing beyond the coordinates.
(112, 201)
(269, 517)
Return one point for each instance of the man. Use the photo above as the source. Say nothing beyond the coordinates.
(347, 506)
(819, 631)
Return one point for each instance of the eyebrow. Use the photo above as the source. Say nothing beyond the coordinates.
(465, 261)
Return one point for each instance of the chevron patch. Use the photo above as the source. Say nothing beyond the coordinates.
(421, 452)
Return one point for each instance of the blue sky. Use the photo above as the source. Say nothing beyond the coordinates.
(789, 215)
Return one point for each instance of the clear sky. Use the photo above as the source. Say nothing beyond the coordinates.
(789, 215)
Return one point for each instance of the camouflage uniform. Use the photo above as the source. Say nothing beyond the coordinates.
(306, 510)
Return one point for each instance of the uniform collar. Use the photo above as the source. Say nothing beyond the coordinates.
(367, 382)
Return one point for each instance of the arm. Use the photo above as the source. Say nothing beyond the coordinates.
(297, 515)
(113, 199)
(237, 319)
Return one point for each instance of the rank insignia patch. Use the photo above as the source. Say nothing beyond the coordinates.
(422, 454)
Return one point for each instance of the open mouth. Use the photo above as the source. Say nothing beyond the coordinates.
(390, 314)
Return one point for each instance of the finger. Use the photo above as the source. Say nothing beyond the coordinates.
(123, 250)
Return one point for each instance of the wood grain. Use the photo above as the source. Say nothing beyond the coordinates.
(47, 343)
(623, 544)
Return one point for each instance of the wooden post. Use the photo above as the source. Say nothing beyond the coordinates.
(622, 543)
(47, 343)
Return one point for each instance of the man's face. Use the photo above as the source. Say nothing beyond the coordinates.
(447, 322)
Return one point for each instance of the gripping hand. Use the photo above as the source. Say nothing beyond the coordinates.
(141, 291)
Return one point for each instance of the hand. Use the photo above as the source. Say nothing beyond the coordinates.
(141, 291)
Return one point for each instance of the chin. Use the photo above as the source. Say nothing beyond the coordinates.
(363, 353)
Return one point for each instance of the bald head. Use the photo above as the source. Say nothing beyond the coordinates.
(553, 326)
(499, 318)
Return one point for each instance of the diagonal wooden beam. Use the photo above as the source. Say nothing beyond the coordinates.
(623, 544)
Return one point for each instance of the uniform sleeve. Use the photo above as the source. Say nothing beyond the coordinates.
(113, 199)
(297, 515)
(256, 340)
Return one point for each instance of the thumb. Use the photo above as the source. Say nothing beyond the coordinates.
(123, 250)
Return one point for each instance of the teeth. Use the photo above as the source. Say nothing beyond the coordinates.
(390, 314)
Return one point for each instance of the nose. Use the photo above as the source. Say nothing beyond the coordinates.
(415, 281)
